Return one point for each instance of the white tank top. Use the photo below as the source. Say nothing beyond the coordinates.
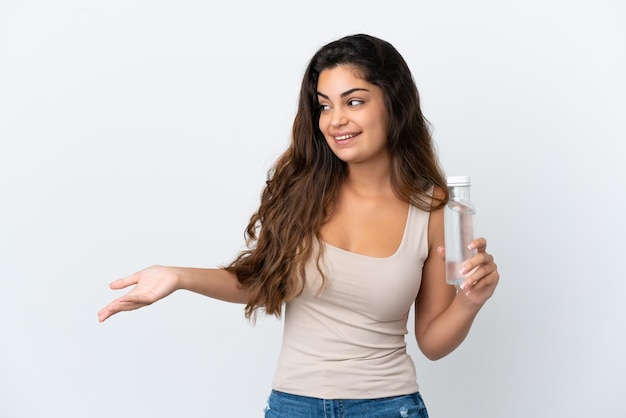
(348, 342)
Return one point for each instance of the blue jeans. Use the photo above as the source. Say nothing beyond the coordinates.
(284, 405)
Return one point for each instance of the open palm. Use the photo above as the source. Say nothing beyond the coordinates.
(151, 284)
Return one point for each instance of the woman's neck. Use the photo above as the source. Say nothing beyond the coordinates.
(369, 179)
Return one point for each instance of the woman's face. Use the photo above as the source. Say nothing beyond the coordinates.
(353, 117)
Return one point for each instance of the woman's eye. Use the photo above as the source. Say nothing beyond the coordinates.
(324, 107)
(355, 102)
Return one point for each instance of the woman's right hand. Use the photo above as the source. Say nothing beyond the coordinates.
(151, 284)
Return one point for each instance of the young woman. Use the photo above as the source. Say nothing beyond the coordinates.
(348, 235)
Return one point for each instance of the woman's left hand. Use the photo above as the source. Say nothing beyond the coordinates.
(482, 274)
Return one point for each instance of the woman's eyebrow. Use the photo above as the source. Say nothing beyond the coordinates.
(345, 93)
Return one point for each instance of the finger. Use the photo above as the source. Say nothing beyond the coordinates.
(479, 259)
(486, 284)
(476, 268)
(105, 313)
(124, 282)
(111, 309)
(119, 305)
(482, 277)
(139, 300)
(479, 244)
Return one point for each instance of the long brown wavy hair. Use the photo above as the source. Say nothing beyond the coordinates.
(303, 185)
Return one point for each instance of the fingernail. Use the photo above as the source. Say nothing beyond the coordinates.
(471, 246)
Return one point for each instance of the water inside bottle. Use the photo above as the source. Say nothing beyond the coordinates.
(459, 232)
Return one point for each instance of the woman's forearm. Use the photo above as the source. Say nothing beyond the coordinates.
(446, 332)
(215, 283)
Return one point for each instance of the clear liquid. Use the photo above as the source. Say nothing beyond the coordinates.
(459, 232)
(453, 276)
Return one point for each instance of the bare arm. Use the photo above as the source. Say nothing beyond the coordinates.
(214, 283)
(156, 282)
(443, 315)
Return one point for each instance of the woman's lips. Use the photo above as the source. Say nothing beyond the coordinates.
(344, 139)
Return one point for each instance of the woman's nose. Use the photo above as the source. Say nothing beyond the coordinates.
(338, 118)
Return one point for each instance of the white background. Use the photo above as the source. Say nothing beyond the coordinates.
(140, 132)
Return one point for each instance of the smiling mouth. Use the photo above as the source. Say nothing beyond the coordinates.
(345, 137)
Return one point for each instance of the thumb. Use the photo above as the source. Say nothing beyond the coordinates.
(124, 282)
(441, 251)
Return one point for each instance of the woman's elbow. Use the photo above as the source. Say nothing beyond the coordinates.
(433, 353)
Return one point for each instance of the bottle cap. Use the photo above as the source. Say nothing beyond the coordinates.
(459, 181)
